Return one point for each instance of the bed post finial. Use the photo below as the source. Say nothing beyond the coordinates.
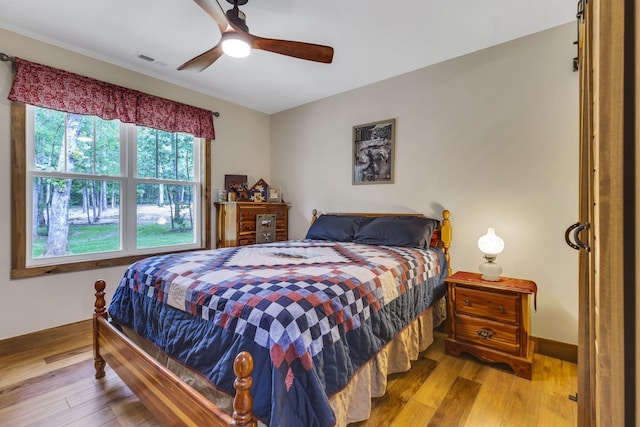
(314, 215)
(100, 303)
(243, 402)
(100, 311)
(445, 236)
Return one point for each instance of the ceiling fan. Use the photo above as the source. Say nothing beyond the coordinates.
(237, 41)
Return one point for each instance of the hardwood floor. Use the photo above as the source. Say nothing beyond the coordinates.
(46, 379)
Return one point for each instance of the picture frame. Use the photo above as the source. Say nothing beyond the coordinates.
(274, 194)
(373, 152)
(237, 184)
(258, 193)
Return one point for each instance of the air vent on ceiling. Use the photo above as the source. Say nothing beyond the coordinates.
(149, 59)
(145, 57)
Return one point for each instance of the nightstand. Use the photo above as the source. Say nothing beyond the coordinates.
(491, 320)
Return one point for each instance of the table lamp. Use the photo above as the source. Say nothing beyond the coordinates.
(491, 245)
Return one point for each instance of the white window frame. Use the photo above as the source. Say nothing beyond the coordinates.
(128, 199)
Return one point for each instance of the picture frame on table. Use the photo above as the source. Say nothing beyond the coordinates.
(237, 185)
(373, 152)
(258, 193)
(274, 194)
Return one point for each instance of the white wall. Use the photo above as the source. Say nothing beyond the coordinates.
(28, 305)
(492, 136)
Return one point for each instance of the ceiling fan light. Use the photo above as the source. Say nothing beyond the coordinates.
(236, 47)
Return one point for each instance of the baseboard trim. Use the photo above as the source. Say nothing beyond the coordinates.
(557, 349)
(42, 337)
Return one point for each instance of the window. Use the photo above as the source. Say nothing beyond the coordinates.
(93, 193)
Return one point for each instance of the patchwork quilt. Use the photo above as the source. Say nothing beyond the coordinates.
(309, 312)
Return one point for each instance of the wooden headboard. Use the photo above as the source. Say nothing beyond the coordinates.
(443, 233)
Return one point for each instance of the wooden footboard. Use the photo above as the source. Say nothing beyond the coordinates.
(171, 400)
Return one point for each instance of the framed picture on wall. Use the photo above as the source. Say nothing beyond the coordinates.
(373, 152)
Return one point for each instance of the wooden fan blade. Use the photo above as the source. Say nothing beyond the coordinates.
(308, 51)
(203, 60)
(215, 11)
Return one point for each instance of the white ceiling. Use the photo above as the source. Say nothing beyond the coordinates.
(373, 39)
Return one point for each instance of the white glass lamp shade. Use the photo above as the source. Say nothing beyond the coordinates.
(491, 245)
(235, 46)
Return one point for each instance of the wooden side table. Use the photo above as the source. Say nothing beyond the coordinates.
(491, 320)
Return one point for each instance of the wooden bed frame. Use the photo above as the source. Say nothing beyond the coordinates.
(169, 398)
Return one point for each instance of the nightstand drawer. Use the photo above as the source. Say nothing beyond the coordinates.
(501, 307)
(499, 336)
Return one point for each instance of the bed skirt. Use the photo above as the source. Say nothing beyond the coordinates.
(351, 404)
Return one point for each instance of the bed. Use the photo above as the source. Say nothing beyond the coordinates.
(295, 333)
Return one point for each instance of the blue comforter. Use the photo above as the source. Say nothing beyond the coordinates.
(309, 312)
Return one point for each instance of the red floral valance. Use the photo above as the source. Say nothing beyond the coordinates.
(48, 87)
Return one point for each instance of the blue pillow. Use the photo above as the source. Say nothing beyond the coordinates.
(411, 231)
(337, 228)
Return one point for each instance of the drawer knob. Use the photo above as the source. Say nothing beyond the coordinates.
(501, 309)
(467, 302)
(485, 333)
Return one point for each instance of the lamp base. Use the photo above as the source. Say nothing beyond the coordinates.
(490, 271)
